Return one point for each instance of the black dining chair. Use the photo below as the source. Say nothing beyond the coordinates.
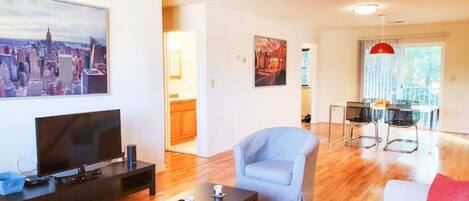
(402, 102)
(402, 116)
(359, 114)
(369, 100)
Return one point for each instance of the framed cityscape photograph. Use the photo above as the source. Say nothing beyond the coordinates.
(52, 48)
(270, 61)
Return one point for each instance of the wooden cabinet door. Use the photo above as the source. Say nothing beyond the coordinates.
(183, 121)
(189, 123)
(176, 125)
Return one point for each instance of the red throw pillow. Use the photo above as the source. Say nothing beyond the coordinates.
(446, 189)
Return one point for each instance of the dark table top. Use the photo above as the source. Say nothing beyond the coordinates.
(204, 192)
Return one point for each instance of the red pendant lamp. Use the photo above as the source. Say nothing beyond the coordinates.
(382, 48)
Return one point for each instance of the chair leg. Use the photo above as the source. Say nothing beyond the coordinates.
(416, 142)
(376, 137)
(377, 132)
(417, 135)
(387, 136)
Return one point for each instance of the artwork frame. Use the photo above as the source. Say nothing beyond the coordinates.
(96, 70)
(270, 61)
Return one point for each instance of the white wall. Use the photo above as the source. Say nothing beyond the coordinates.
(337, 72)
(232, 108)
(338, 78)
(186, 85)
(136, 88)
(236, 108)
(193, 17)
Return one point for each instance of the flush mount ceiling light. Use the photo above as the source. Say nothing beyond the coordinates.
(365, 9)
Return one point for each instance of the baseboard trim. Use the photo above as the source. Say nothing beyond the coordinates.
(160, 168)
(454, 132)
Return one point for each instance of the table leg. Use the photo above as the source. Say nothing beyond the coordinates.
(330, 123)
(153, 183)
(431, 132)
(437, 127)
(343, 122)
(431, 119)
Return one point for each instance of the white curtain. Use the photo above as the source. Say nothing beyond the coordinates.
(379, 73)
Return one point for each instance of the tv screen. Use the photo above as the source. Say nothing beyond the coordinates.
(71, 141)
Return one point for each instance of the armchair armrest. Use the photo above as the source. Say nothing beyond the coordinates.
(298, 170)
(304, 164)
(240, 161)
(246, 152)
(405, 191)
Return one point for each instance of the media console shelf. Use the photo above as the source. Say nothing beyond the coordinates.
(116, 180)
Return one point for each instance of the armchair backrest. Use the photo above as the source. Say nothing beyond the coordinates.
(280, 143)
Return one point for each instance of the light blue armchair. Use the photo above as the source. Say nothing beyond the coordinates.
(278, 163)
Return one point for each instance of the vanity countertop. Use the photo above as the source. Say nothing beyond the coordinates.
(181, 100)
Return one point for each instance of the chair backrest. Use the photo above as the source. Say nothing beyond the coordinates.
(369, 100)
(401, 115)
(282, 143)
(402, 102)
(358, 112)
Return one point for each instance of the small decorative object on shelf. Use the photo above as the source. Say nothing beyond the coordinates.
(219, 196)
(218, 191)
(131, 155)
(11, 182)
(188, 198)
(34, 180)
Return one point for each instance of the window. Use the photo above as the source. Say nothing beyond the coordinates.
(306, 58)
(420, 74)
(411, 75)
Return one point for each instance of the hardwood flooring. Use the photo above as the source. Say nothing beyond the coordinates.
(343, 173)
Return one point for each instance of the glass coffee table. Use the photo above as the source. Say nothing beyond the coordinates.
(204, 192)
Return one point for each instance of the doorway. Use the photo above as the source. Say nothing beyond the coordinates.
(308, 77)
(305, 85)
(180, 62)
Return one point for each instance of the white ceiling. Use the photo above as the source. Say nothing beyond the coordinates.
(330, 14)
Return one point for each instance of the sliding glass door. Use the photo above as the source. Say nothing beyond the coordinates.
(421, 74)
(411, 75)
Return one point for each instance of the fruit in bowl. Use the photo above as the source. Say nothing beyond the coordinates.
(382, 102)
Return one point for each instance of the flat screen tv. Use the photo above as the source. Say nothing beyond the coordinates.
(73, 141)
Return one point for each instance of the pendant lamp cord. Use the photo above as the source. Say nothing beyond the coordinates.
(383, 18)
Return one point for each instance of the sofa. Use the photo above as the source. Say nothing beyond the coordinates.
(278, 163)
(396, 190)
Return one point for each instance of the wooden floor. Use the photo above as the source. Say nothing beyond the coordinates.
(343, 173)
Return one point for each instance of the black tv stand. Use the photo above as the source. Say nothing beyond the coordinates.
(81, 176)
(114, 182)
